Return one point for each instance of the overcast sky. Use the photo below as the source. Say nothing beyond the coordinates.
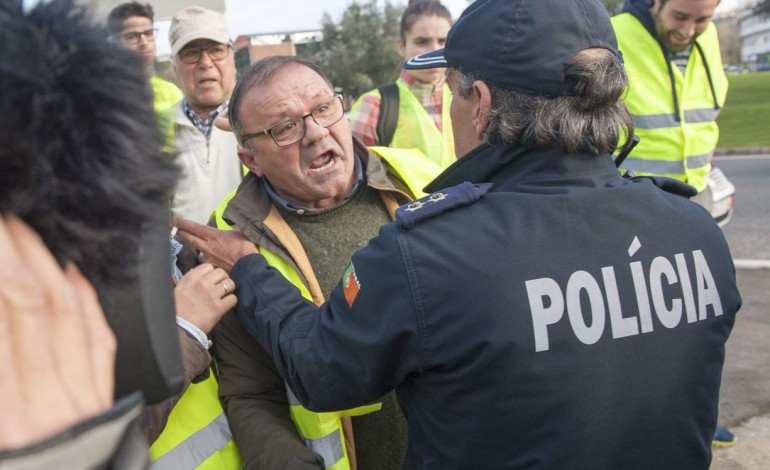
(268, 16)
(250, 16)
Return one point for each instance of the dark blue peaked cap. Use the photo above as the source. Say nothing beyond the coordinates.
(523, 45)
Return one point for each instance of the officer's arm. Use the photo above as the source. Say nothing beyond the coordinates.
(254, 399)
(355, 348)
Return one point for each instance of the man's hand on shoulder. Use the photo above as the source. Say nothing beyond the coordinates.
(221, 248)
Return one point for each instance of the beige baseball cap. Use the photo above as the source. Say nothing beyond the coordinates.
(196, 22)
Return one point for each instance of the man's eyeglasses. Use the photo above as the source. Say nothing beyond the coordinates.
(192, 55)
(293, 130)
(133, 37)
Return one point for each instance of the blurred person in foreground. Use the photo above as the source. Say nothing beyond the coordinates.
(132, 26)
(537, 309)
(417, 104)
(81, 165)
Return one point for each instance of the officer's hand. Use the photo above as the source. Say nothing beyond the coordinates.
(221, 248)
(58, 350)
(204, 295)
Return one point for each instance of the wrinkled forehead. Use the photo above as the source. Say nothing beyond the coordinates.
(292, 83)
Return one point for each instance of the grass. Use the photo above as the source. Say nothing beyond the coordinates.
(745, 119)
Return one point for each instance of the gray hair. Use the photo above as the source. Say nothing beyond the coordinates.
(595, 117)
(259, 73)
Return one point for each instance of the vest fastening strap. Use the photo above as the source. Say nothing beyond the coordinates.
(194, 450)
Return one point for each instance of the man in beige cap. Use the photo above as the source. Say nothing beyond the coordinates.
(204, 66)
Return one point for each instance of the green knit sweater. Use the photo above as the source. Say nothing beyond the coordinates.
(329, 238)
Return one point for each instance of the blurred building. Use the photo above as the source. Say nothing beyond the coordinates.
(729, 39)
(755, 39)
(251, 47)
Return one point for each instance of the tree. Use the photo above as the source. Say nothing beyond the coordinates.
(762, 7)
(359, 53)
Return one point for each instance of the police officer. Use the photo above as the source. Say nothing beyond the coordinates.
(537, 309)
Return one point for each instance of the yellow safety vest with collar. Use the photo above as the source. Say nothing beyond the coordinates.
(416, 129)
(197, 434)
(324, 432)
(674, 113)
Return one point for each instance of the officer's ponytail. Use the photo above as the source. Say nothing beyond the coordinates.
(595, 117)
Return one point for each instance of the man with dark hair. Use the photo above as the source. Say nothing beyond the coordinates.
(677, 86)
(537, 310)
(131, 25)
(81, 164)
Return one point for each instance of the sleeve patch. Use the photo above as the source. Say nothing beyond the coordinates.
(350, 284)
(439, 202)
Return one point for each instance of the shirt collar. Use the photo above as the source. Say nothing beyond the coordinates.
(421, 89)
(203, 126)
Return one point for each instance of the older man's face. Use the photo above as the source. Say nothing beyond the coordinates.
(317, 171)
(461, 112)
(206, 83)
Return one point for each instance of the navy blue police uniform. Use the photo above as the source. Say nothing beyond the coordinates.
(561, 316)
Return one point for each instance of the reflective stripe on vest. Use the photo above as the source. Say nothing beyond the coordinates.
(194, 450)
(197, 434)
(329, 446)
(668, 167)
(679, 148)
(656, 121)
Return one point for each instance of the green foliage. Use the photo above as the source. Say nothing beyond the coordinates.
(763, 7)
(359, 53)
(743, 121)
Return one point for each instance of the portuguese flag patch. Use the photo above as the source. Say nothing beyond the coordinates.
(350, 284)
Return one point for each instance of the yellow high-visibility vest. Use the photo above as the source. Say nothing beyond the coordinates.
(164, 94)
(197, 434)
(415, 129)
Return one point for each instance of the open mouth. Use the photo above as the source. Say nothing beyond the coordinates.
(322, 162)
(207, 81)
